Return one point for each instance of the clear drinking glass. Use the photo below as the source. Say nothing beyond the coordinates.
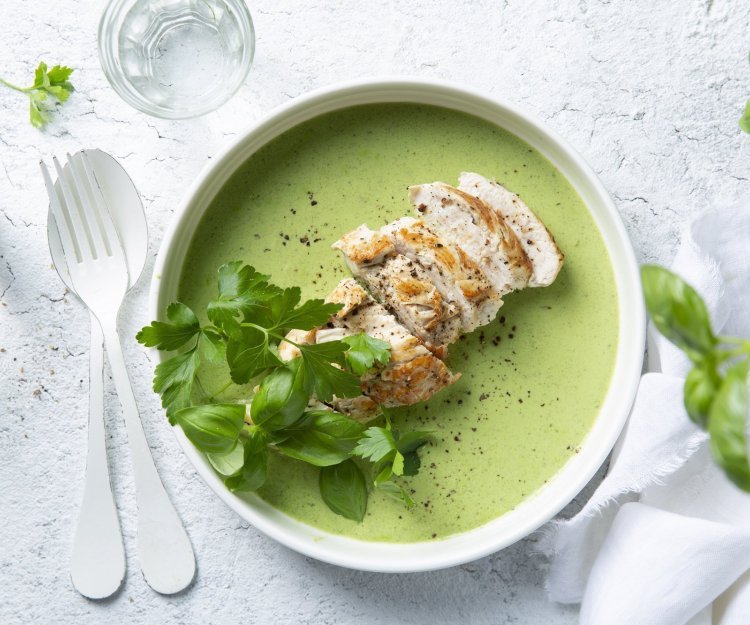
(176, 58)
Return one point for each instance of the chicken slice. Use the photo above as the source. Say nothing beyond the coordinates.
(403, 285)
(539, 245)
(413, 373)
(464, 220)
(458, 279)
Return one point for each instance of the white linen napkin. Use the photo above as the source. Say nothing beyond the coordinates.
(665, 539)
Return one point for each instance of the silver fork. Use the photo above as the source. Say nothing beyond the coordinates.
(98, 271)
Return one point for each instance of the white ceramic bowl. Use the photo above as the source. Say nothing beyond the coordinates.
(560, 490)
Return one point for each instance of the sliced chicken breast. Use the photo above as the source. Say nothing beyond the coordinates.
(413, 374)
(539, 245)
(464, 220)
(458, 279)
(403, 285)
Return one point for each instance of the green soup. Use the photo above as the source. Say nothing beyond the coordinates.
(532, 381)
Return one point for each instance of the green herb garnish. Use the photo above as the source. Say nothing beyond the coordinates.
(53, 83)
(715, 391)
(248, 320)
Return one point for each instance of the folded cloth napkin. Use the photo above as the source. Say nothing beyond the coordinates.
(665, 539)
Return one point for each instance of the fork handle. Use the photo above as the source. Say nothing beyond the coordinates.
(164, 550)
(98, 563)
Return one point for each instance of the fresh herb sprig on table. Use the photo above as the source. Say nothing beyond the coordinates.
(53, 83)
(248, 320)
(716, 389)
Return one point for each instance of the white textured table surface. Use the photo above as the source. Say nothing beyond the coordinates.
(649, 93)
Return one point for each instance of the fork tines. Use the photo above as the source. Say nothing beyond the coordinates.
(81, 214)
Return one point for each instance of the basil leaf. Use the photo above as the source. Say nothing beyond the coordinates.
(255, 465)
(212, 428)
(701, 387)
(282, 397)
(726, 424)
(343, 489)
(311, 314)
(677, 311)
(229, 463)
(322, 438)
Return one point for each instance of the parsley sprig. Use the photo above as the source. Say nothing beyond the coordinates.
(715, 391)
(48, 83)
(247, 321)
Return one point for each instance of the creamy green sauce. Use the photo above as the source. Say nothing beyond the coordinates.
(532, 381)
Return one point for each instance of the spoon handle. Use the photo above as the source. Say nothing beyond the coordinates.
(98, 563)
(164, 550)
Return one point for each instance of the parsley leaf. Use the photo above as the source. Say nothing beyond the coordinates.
(285, 314)
(312, 313)
(54, 83)
(242, 292)
(173, 380)
(58, 76)
(183, 325)
(214, 347)
(376, 444)
(399, 453)
(329, 380)
(249, 353)
(365, 351)
(394, 491)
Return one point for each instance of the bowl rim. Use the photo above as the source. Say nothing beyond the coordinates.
(598, 442)
(109, 60)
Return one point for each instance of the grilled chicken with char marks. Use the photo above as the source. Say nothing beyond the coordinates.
(539, 245)
(413, 374)
(458, 278)
(464, 220)
(431, 279)
(404, 285)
